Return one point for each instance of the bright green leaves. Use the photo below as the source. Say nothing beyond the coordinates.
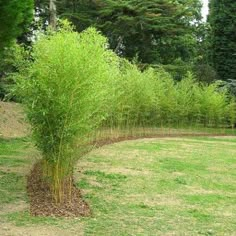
(65, 89)
(152, 98)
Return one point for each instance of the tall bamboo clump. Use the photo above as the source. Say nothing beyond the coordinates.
(65, 89)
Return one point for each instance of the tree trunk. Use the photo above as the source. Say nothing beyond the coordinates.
(52, 14)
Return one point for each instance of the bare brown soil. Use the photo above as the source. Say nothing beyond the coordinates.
(12, 120)
(42, 202)
(108, 141)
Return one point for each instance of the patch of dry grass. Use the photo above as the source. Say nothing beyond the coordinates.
(12, 121)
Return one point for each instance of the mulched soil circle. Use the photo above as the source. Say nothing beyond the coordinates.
(43, 204)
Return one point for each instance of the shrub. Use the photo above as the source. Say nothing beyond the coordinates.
(13, 60)
(66, 93)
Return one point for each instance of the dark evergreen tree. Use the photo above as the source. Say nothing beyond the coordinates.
(222, 19)
(15, 16)
(156, 31)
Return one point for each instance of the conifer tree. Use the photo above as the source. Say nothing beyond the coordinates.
(155, 31)
(15, 16)
(222, 19)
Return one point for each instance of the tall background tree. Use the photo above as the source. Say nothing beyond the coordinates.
(222, 19)
(15, 17)
(53, 14)
(154, 31)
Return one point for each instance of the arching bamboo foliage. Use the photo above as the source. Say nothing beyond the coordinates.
(66, 95)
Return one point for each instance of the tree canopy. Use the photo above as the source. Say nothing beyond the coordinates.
(222, 19)
(155, 31)
(15, 17)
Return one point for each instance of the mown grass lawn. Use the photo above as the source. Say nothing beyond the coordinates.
(168, 186)
(13, 163)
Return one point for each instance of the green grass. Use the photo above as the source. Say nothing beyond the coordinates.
(12, 179)
(9, 147)
(12, 187)
(169, 186)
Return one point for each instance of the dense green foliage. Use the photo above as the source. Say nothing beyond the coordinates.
(152, 98)
(13, 60)
(15, 17)
(153, 32)
(65, 91)
(156, 31)
(222, 19)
